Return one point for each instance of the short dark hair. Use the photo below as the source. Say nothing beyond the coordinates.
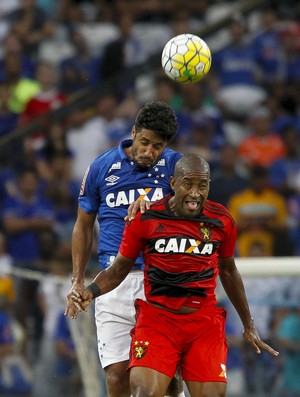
(158, 117)
(191, 161)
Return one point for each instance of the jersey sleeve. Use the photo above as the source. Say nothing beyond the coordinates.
(227, 248)
(89, 199)
(133, 240)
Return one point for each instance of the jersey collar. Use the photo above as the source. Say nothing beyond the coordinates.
(124, 145)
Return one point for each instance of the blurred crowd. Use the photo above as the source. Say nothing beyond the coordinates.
(244, 118)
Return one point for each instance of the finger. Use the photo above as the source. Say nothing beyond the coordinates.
(78, 303)
(255, 347)
(71, 311)
(269, 349)
(135, 208)
(129, 212)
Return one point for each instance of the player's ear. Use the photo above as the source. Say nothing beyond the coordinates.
(133, 132)
(172, 182)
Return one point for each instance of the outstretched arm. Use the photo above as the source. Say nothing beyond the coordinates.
(234, 287)
(105, 281)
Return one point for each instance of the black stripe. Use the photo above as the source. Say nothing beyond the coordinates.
(154, 214)
(164, 283)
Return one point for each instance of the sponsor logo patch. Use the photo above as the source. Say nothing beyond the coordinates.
(112, 180)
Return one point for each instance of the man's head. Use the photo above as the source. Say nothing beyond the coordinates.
(155, 126)
(190, 183)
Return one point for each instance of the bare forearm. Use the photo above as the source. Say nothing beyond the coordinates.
(234, 288)
(82, 241)
(109, 279)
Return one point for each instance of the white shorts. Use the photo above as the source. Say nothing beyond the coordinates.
(115, 317)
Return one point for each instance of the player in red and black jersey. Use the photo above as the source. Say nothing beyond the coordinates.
(181, 251)
(187, 241)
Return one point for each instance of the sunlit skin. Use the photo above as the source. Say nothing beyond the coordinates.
(191, 190)
(147, 147)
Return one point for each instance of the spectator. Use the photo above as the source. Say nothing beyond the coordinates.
(25, 216)
(13, 46)
(289, 340)
(55, 143)
(7, 183)
(235, 70)
(31, 25)
(294, 220)
(196, 109)
(123, 53)
(47, 99)
(263, 293)
(228, 177)
(8, 118)
(96, 135)
(261, 216)
(202, 140)
(81, 70)
(67, 370)
(284, 105)
(7, 288)
(63, 192)
(166, 90)
(235, 362)
(269, 50)
(15, 375)
(51, 292)
(290, 42)
(255, 148)
(285, 172)
(21, 88)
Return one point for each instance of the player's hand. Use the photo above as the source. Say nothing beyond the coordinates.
(252, 337)
(82, 301)
(72, 307)
(138, 205)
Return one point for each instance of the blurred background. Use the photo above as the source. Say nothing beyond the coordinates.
(73, 75)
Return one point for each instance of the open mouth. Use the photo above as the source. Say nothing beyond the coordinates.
(192, 205)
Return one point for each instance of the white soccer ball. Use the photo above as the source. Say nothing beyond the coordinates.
(186, 58)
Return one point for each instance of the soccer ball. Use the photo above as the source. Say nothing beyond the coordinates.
(186, 58)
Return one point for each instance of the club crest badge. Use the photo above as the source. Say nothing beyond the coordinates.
(140, 348)
(205, 233)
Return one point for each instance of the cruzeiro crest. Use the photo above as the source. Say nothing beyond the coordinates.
(140, 348)
(205, 232)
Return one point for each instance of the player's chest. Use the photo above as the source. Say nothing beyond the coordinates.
(122, 187)
(184, 238)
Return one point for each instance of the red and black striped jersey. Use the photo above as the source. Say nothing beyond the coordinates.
(181, 254)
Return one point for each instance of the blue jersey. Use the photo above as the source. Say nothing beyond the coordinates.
(111, 183)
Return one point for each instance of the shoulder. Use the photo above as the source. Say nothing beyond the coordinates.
(218, 210)
(170, 153)
(169, 158)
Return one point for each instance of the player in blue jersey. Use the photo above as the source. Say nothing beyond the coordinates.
(139, 168)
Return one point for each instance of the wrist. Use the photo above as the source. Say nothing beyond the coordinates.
(249, 325)
(95, 289)
(77, 280)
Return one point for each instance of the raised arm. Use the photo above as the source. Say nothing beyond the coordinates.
(234, 287)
